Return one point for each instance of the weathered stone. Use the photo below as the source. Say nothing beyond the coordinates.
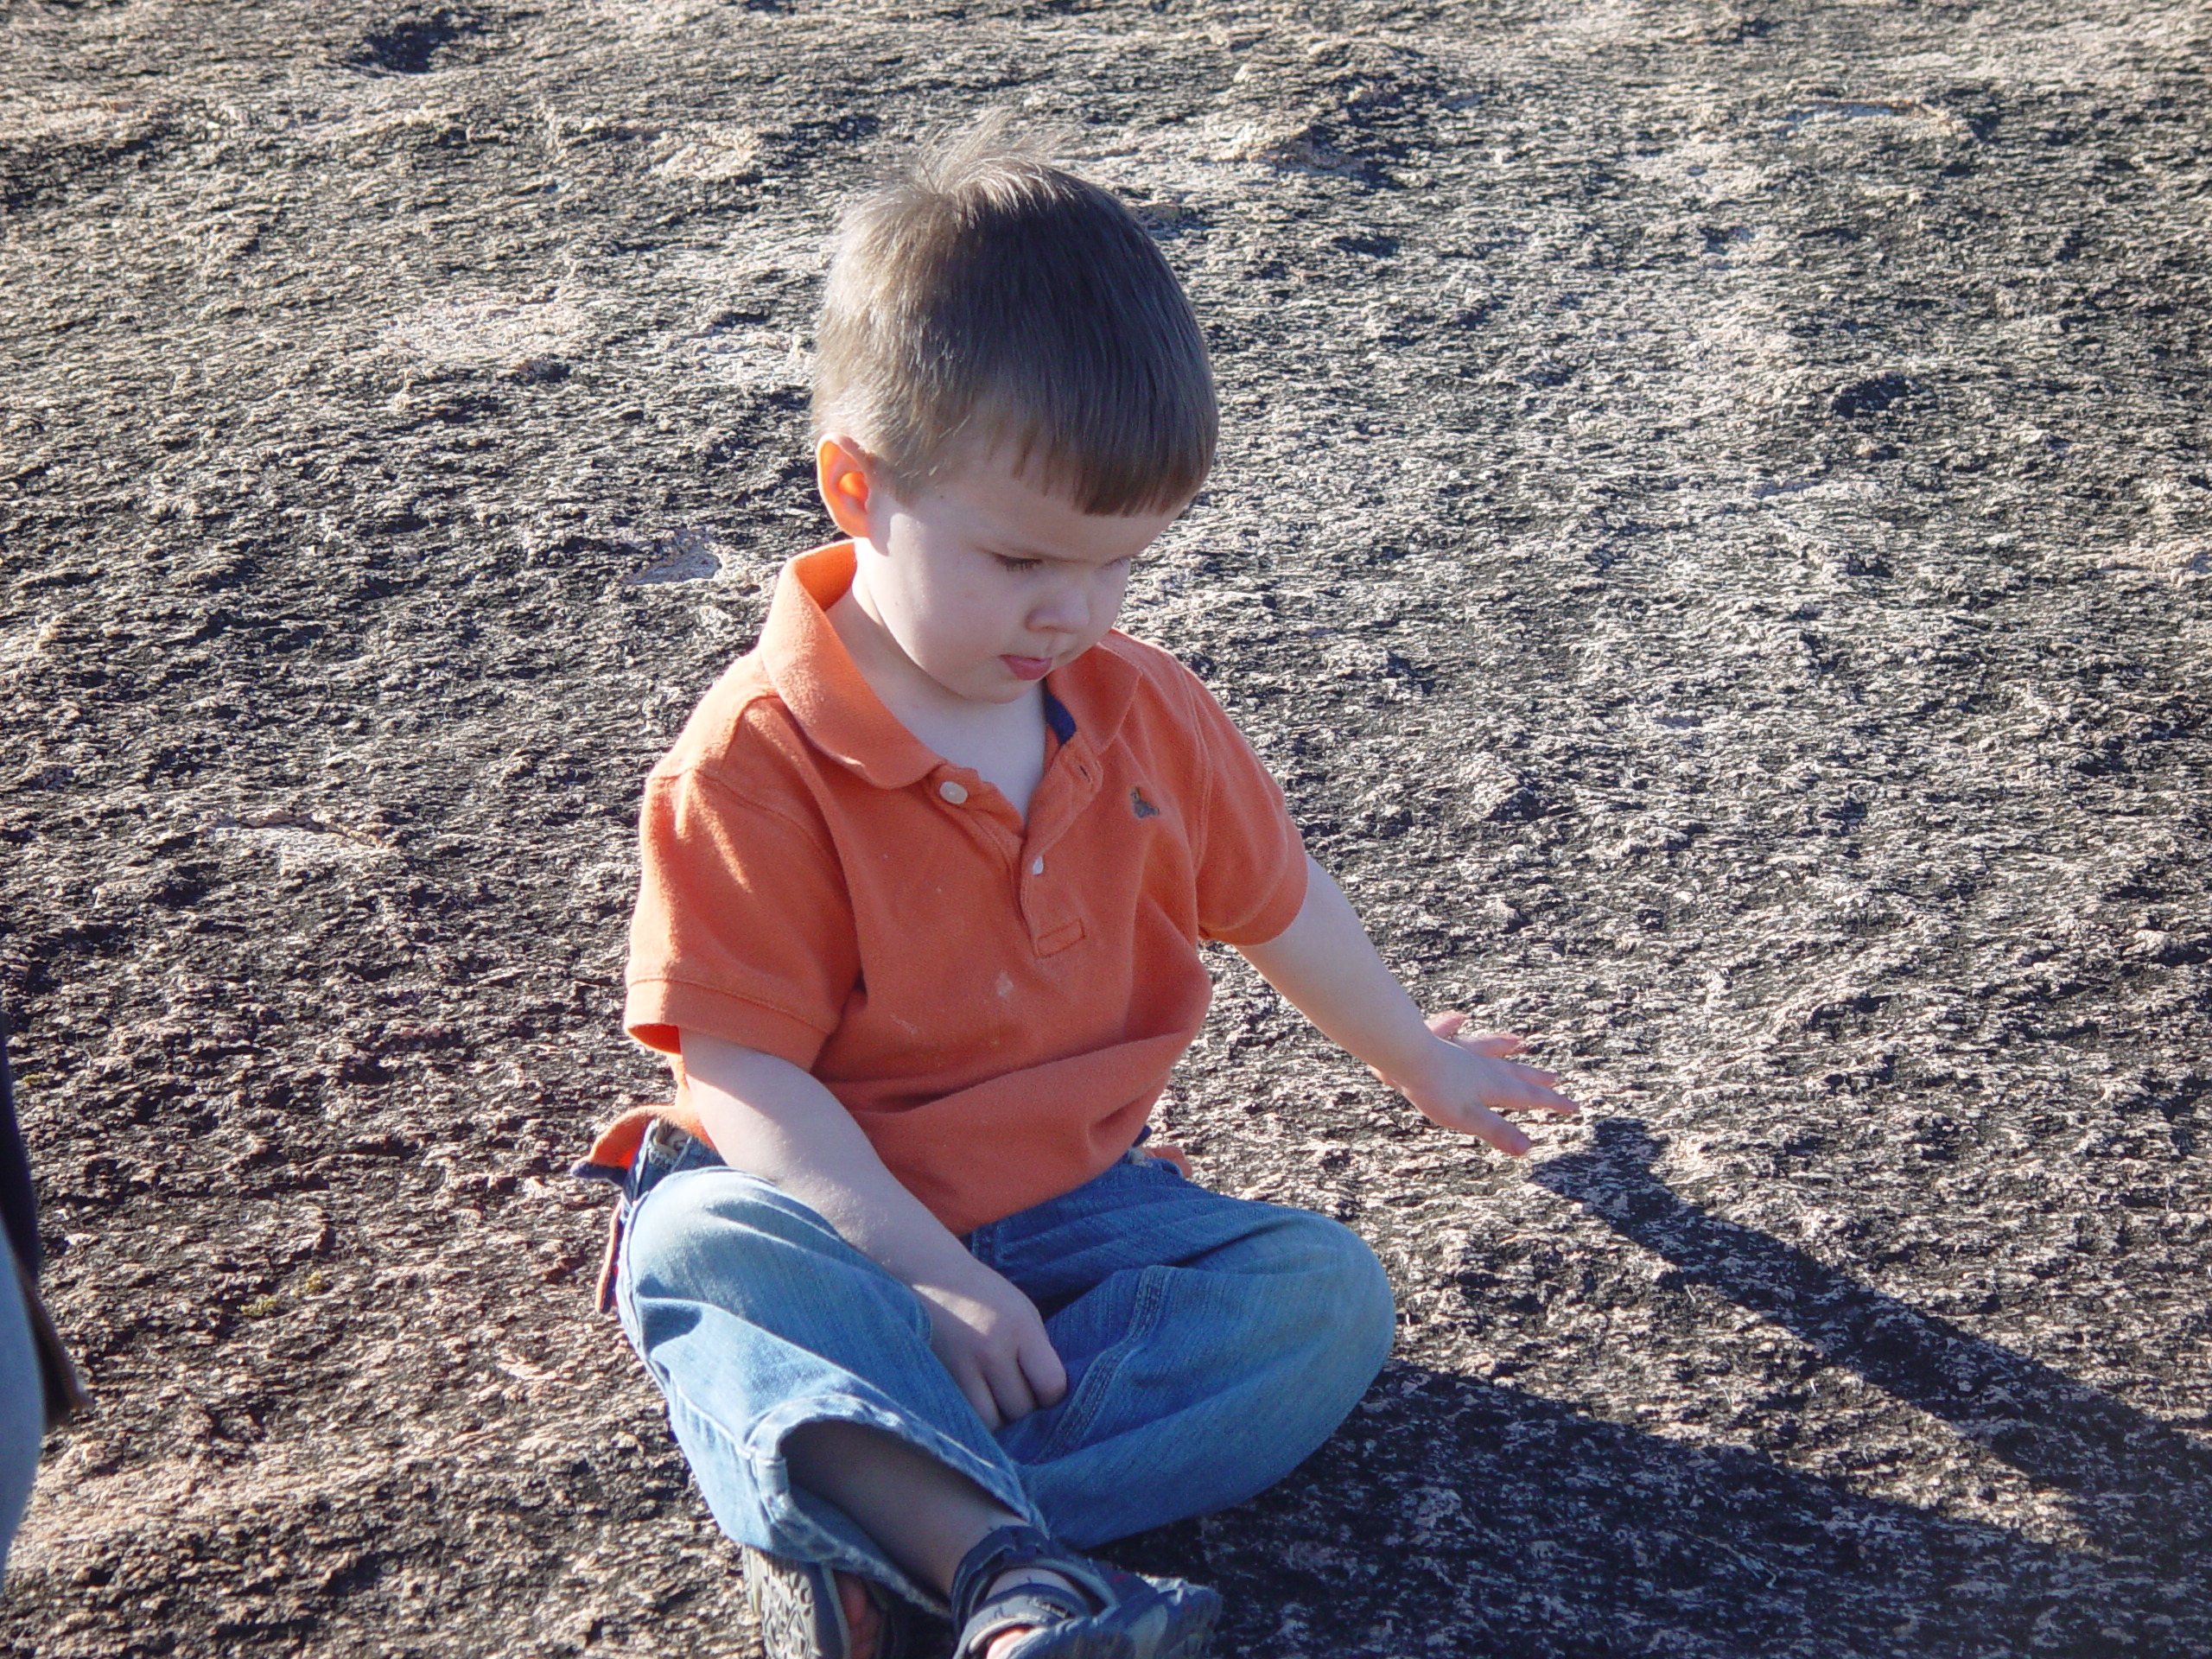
(1712, 533)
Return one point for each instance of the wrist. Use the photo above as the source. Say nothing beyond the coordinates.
(939, 1263)
(1419, 1068)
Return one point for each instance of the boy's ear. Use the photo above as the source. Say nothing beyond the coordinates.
(842, 474)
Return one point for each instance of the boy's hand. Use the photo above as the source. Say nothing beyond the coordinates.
(1469, 1080)
(991, 1336)
(767, 1116)
(1326, 964)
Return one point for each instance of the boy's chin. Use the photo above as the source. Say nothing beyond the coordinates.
(998, 690)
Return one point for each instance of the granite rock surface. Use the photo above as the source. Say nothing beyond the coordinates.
(1714, 533)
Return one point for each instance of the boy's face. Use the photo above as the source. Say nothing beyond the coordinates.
(985, 582)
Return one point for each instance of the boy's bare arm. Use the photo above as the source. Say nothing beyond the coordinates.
(769, 1118)
(1324, 964)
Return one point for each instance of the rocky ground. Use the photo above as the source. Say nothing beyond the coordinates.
(1715, 534)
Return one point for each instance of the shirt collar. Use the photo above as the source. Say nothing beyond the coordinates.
(819, 682)
(839, 711)
(1098, 688)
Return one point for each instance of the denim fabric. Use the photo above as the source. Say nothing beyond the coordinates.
(1212, 1344)
(22, 1405)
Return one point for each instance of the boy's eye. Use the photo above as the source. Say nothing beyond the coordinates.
(1016, 564)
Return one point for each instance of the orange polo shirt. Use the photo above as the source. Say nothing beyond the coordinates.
(997, 1003)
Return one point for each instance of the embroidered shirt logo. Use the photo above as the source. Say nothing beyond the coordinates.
(1141, 806)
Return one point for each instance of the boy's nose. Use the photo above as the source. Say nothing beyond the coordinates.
(1065, 611)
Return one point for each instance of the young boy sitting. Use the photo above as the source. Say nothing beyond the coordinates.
(925, 880)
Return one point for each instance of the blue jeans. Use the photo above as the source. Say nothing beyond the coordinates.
(1212, 1344)
(23, 1402)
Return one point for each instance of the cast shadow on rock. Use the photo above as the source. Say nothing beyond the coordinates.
(2137, 1486)
(1453, 1515)
(1457, 1517)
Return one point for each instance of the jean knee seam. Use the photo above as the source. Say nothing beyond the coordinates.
(1098, 1380)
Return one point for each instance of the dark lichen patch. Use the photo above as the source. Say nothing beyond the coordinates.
(409, 44)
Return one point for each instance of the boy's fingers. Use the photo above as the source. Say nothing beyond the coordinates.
(1488, 1128)
(1010, 1389)
(971, 1384)
(1532, 1096)
(1047, 1377)
(1528, 1088)
(1482, 1122)
(1446, 1025)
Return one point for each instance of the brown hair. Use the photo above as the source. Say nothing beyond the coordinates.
(986, 299)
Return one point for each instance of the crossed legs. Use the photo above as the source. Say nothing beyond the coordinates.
(1211, 1345)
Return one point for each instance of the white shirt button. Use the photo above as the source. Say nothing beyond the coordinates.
(1038, 868)
(952, 792)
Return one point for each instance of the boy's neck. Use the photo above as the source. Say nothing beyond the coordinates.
(1003, 742)
(905, 690)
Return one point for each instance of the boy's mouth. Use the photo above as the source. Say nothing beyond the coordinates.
(1028, 668)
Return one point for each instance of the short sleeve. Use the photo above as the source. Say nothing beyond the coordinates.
(743, 931)
(1250, 860)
